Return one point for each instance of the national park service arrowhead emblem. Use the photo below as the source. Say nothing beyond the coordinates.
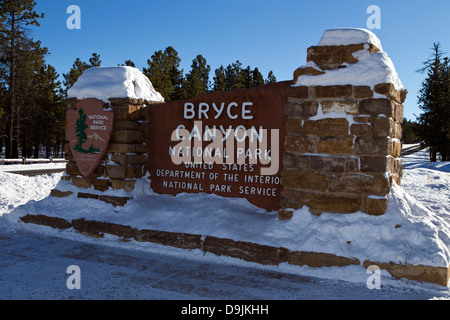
(89, 127)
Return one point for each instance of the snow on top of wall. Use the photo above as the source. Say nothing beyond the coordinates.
(347, 36)
(114, 82)
(370, 70)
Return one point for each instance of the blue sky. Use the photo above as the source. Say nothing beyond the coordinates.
(268, 34)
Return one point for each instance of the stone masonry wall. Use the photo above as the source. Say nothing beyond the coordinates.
(342, 147)
(126, 156)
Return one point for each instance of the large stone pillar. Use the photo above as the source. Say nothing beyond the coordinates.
(343, 129)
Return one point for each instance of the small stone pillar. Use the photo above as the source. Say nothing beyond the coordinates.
(342, 146)
(126, 155)
(125, 158)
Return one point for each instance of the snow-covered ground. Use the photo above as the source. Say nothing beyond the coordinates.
(33, 259)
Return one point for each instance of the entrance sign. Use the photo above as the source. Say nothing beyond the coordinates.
(89, 128)
(226, 143)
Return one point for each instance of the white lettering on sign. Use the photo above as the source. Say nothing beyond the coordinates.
(98, 121)
(232, 110)
(184, 151)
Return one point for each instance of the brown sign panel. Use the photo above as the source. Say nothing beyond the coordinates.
(226, 143)
(89, 128)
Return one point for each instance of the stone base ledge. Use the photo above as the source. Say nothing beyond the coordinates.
(114, 200)
(247, 251)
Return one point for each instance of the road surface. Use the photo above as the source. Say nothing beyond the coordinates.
(35, 266)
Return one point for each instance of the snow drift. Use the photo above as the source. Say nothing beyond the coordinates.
(372, 69)
(114, 82)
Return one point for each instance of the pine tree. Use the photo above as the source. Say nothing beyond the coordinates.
(234, 77)
(164, 73)
(129, 63)
(80, 130)
(270, 78)
(409, 129)
(197, 80)
(52, 108)
(257, 78)
(434, 102)
(219, 83)
(15, 40)
(94, 61)
(77, 70)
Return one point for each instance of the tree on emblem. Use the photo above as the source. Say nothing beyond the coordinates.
(80, 133)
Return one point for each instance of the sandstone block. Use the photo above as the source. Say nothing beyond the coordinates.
(377, 106)
(127, 137)
(101, 184)
(439, 275)
(129, 159)
(376, 206)
(117, 172)
(373, 145)
(398, 131)
(397, 166)
(349, 107)
(304, 180)
(389, 90)
(303, 162)
(126, 125)
(326, 127)
(289, 161)
(141, 148)
(362, 92)
(82, 182)
(284, 214)
(299, 144)
(333, 91)
(396, 148)
(126, 185)
(397, 179)
(115, 201)
(362, 119)
(327, 164)
(323, 202)
(174, 239)
(126, 112)
(245, 250)
(304, 109)
(293, 126)
(360, 129)
(300, 92)
(54, 222)
(319, 260)
(398, 115)
(333, 57)
(340, 146)
(357, 183)
(352, 165)
(383, 127)
(72, 169)
(60, 194)
(87, 195)
(319, 202)
(139, 171)
(290, 199)
(375, 164)
(310, 71)
(121, 148)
